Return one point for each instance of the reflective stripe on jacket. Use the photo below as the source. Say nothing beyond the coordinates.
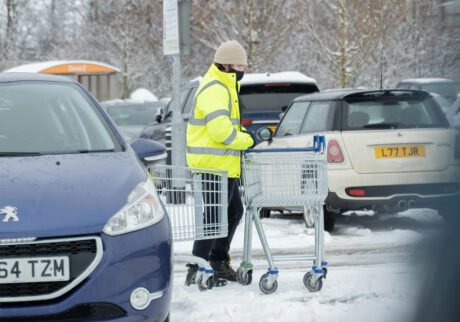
(214, 140)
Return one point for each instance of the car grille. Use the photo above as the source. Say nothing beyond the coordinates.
(79, 312)
(84, 254)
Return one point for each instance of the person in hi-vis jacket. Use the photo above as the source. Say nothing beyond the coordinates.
(215, 139)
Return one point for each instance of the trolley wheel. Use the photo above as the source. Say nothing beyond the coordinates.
(310, 285)
(244, 278)
(209, 284)
(263, 284)
(264, 213)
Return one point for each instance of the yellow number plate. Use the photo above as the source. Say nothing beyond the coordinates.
(405, 151)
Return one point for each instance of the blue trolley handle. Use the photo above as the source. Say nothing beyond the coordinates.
(319, 145)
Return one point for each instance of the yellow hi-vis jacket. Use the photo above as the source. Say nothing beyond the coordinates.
(214, 140)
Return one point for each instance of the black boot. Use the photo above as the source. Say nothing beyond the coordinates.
(191, 274)
(223, 270)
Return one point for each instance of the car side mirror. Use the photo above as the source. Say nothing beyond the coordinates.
(158, 115)
(265, 134)
(149, 151)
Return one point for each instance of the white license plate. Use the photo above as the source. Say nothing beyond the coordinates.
(34, 269)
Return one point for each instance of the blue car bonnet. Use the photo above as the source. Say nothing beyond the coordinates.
(71, 194)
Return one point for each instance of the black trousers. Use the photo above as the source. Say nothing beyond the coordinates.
(218, 249)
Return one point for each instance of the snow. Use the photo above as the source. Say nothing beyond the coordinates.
(143, 94)
(374, 272)
(427, 80)
(291, 77)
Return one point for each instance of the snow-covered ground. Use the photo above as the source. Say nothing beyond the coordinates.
(375, 273)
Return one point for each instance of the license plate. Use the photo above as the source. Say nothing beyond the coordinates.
(34, 269)
(403, 151)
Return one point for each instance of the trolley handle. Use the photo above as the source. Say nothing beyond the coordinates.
(319, 145)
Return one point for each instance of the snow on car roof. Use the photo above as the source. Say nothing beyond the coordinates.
(291, 77)
(38, 67)
(427, 80)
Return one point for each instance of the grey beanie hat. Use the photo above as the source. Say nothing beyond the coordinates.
(230, 52)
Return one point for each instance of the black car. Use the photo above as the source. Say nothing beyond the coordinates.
(263, 98)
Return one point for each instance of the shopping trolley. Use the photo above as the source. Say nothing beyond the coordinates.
(284, 178)
(196, 202)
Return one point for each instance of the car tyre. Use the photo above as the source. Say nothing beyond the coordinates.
(264, 213)
(329, 219)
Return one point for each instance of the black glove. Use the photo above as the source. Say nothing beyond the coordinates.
(253, 136)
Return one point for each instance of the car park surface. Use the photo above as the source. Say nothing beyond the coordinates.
(83, 234)
(387, 150)
(263, 98)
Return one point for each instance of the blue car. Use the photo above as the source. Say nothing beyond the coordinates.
(83, 233)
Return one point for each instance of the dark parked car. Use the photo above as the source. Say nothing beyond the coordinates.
(263, 98)
(131, 115)
(447, 88)
(84, 235)
(387, 150)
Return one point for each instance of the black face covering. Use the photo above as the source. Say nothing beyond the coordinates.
(239, 75)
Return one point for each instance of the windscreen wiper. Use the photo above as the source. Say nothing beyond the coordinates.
(381, 126)
(94, 151)
(19, 154)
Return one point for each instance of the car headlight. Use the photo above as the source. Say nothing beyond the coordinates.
(143, 209)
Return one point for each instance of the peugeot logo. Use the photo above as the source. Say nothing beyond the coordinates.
(10, 213)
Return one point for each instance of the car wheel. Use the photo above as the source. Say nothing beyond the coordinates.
(329, 219)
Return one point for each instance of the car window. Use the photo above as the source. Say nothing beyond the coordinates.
(318, 117)
(169, 109)
(267, 97)
(51, 118)
(135, 114)
(391, 113)
(188, 104)
(292, 120)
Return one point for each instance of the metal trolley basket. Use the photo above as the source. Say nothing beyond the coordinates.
(284, 178)
(196, 202)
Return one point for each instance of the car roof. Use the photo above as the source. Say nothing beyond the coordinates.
(427, 80)
(281, 77)
(121, 102)
(264, 78)
(338, 94)
(15, 77)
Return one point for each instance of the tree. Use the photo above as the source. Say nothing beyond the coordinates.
(348, 32)
(263, 27)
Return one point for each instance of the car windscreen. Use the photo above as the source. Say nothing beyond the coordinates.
(272, 97)
(133, 114)
(391, 113)
(47, 117)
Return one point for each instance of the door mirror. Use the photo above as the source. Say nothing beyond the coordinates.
(149, 151)
(158, 115)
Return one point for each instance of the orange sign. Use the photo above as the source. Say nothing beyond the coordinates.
(78, 68)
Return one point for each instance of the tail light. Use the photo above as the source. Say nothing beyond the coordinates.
(356, 192)
(334, 152)
(246, 122)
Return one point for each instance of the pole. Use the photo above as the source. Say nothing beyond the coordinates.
(177, 124)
